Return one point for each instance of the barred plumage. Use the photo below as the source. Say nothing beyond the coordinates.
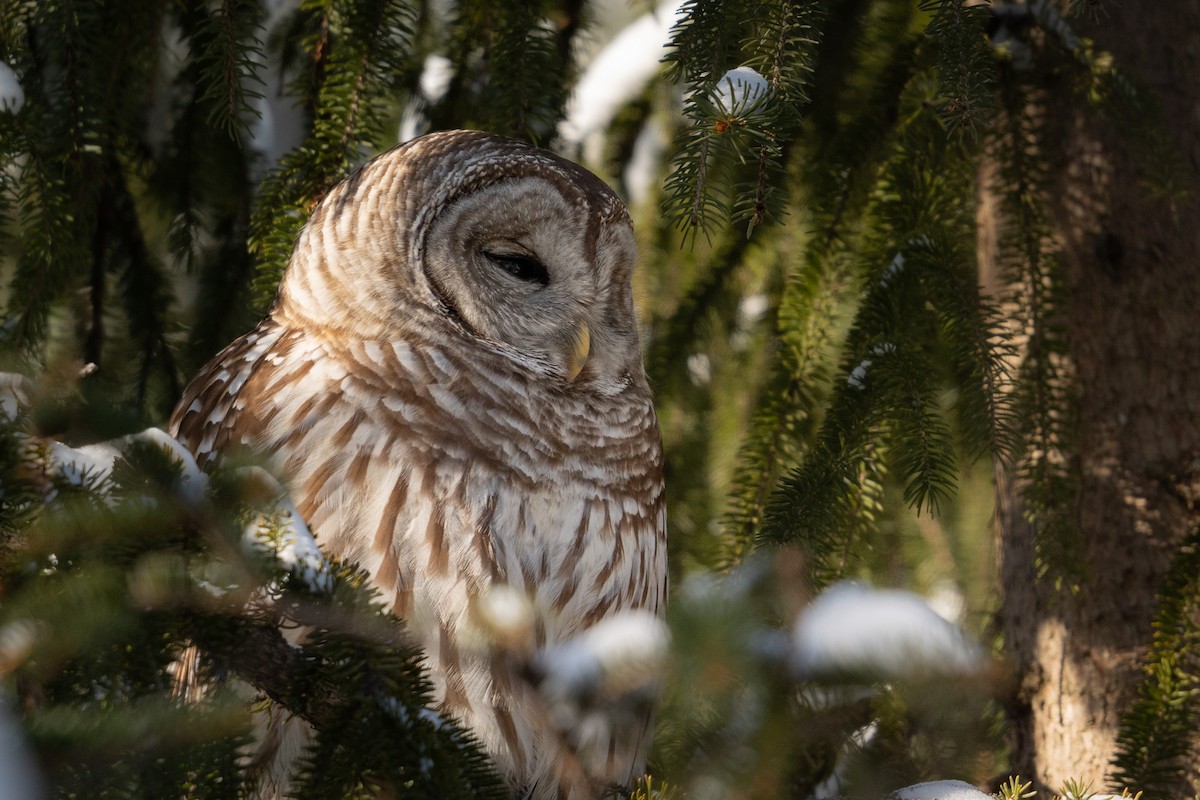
(451, 379)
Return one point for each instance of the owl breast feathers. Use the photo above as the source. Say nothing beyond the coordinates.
(451, 380)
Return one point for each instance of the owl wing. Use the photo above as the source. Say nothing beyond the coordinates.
(222, 407)
(226, 406)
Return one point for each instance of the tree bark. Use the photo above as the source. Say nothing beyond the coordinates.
(1132, 267)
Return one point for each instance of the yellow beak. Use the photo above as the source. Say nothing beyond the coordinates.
(581, 345)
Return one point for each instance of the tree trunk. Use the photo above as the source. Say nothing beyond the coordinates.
(1132, 268)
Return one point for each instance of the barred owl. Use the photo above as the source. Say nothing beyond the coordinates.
(451, 379)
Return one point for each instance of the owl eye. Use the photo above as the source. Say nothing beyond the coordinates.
(526, 268)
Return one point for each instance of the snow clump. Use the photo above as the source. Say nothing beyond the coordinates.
(887, 633)
(619, 655)
(280, 531)
(12, 96)
(740, 90)
(940, 790)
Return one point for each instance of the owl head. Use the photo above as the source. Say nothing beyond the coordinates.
(497, 244)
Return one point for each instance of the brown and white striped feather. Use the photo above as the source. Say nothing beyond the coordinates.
(423, 407)
(439, 478)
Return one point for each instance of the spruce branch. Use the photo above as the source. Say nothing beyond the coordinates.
(358, 58)
(54, 187)
(146, 293)
(1045, 398)
(971, 329)
(701, 47)
(782, 47)
(781, 428)
(965, 77)
(789, 404)
(130, 569)
(228, 56)
(513, 67)
(922, 449)
(1157, 731)
(257, 651)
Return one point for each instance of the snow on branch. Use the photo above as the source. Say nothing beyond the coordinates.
(939, 790)
(853, 629)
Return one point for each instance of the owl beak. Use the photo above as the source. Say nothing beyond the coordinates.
(581, 345)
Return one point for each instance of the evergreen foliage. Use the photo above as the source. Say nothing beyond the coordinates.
(1153, 746)
(1045, 395)
(352, 58)
(741, 134)
(918, 301)
(965, 76)
(829, 373)
(113, 577)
